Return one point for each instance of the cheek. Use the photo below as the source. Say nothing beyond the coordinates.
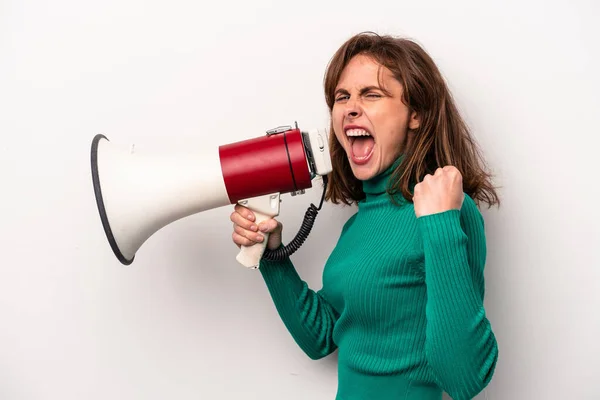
(394, 134)
(336, 118)
(336, 115)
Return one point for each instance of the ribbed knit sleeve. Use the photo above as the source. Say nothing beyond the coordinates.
(460, 345)
(309, 318)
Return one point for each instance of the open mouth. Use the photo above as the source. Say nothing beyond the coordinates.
(362, 144)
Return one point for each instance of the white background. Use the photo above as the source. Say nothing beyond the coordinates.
(185, 321)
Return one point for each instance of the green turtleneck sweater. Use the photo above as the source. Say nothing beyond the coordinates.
(402, 302)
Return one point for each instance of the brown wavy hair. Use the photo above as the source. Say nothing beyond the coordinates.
(443, 138)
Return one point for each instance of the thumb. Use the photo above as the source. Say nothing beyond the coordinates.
(273, 228)
(274, 238)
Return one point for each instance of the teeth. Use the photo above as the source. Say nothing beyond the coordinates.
(357, 132)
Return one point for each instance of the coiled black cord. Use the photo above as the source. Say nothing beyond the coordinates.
(307, 224)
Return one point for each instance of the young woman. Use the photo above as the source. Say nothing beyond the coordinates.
(403, 289)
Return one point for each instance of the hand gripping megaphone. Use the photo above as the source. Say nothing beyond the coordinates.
(138, 194)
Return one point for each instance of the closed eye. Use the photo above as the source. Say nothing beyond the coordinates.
(370, 92)
(369, 95)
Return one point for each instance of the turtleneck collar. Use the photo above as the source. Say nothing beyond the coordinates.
(379, 183)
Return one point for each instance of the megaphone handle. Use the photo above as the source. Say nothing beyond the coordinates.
(264, 208)
(249, 256)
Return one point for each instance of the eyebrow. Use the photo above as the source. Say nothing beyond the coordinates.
(362, 91)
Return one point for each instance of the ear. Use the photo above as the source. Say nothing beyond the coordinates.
(414, 122)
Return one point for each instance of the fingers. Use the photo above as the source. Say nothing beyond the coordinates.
(243, 240)
(417, 189)
(269, 225)
(244, 212)
(446, 171)
(245, 230)
(244, 218)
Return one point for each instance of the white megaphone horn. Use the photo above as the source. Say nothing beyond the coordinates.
(138, 194)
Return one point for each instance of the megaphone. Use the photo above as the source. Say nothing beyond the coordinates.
(139, 194)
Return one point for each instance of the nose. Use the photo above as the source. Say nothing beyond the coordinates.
(352, 110)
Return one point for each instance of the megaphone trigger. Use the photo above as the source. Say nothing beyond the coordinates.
(264, 208)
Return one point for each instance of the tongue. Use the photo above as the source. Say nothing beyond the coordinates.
(362, 146)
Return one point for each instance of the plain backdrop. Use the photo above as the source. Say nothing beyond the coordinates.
(186, 321)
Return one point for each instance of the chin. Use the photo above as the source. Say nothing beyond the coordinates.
(364, 172)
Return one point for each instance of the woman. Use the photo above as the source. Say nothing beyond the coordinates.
(402, 296)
